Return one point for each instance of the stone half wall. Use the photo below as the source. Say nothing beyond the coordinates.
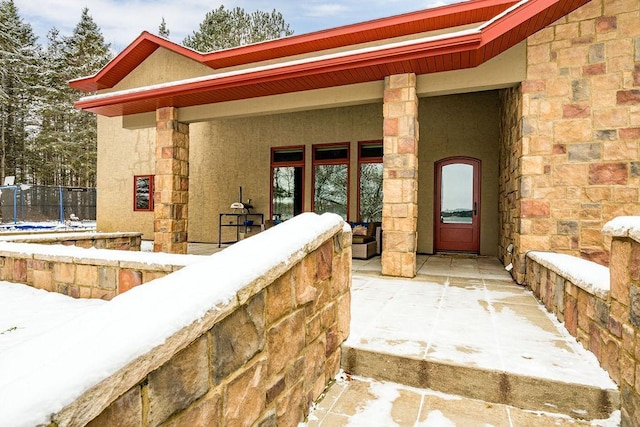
(83, 273)
(249, 336)
(576, 138)
(129, 241)
(603, 313)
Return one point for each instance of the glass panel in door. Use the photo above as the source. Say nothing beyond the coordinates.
(457, 200)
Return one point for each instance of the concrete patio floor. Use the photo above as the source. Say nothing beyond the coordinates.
(464, 321)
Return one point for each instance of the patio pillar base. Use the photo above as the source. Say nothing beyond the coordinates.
(400, 176)
(171, 191)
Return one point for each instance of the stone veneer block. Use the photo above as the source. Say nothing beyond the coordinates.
(206, 411)
(178, 383)
(245, 398)
(280, 298)
(124, 412)
(290, 330)
(128, 279)
(87, 275)
(238, 338)
(64, 273)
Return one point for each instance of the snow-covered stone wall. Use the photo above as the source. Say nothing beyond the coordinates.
(600, 306)
(84, 273)
(248, 336)
(123, 241)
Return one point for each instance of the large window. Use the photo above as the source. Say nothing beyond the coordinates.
(287, 182)
(143, 193)
(331, 179)
(370, 181)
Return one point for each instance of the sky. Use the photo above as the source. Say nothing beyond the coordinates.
(121, 21)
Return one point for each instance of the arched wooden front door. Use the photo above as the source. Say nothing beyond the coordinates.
(457, 205)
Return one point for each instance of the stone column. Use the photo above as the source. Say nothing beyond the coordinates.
(171, 190)
(400, 190)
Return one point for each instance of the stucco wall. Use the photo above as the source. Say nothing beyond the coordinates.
(459, 125)
(122, 154)
(162, 66)
(227, 154)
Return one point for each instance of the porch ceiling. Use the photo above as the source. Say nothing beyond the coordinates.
(506, 24)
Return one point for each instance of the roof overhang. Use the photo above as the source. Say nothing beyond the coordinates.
(502, 24)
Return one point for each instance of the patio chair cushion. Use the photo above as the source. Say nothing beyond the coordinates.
(370, 235)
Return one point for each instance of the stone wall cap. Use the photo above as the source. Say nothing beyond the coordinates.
(95, 256)
(623, 226)
(65, 236)
(587, 275)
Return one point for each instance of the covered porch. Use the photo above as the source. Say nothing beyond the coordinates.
(206, 124)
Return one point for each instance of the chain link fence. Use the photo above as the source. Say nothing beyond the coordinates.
(40, 203)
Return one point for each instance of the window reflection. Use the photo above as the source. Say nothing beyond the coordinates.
(287, 182)
(371, 192)
(330, 193)
(287, 192)
(457, 194)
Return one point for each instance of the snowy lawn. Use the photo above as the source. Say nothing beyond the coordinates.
(27, 313)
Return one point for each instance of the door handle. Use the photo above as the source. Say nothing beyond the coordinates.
(475, 208)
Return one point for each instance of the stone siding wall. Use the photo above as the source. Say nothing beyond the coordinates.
(580, 126)
(261, 358)
(606, 322)
(82, 274)
(510, 151)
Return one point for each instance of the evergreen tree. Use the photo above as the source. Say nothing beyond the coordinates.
(19, 84)
(49, 154)
(163, 30)
(223, 28)
(67, 136)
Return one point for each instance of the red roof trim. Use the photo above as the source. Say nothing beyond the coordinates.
(359, 61)
(468, 12)
(128, 60)
(464, 13)
(432, 54)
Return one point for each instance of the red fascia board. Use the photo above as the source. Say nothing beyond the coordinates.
(341, 36)
(147, 43)
(130, 58)
(357, 61)
(527, 12)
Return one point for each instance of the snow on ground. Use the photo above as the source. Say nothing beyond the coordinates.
(588, 275)
(19, 303)
(378, 408)
(42, 373)
(146, 246)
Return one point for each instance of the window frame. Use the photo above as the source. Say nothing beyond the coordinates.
(324, 162)
(367, 160)
(293, 163)
(151, 179)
